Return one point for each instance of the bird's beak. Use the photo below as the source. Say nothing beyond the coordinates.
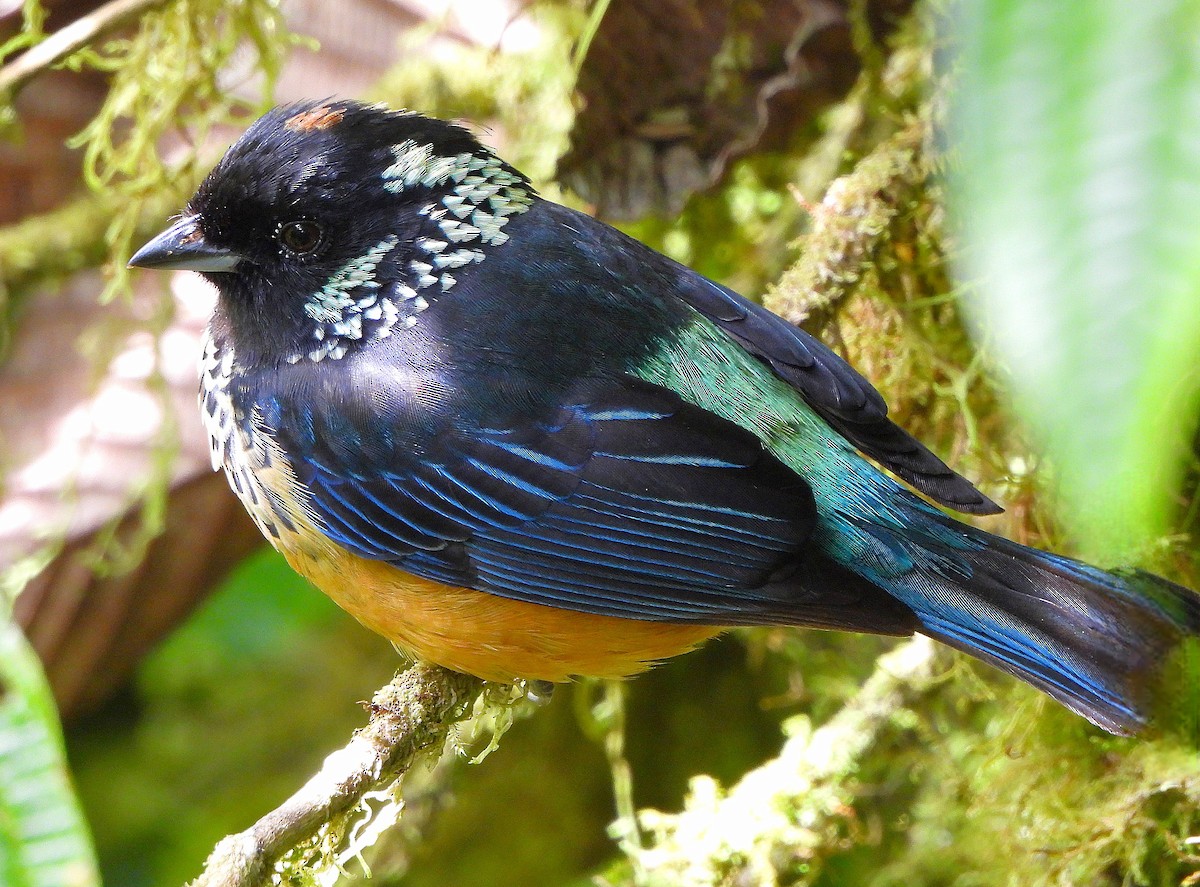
(182, 247)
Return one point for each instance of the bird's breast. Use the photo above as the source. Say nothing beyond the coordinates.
(254, 464)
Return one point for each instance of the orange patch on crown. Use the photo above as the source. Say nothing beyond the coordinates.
(315, 118)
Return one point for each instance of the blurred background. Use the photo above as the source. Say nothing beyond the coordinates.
(792, 149)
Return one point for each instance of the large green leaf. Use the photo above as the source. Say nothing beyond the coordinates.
(43, 840)
(1075, 131)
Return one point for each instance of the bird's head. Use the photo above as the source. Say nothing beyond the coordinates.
(332, 224)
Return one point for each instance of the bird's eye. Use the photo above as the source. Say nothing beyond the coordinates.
(300, 237)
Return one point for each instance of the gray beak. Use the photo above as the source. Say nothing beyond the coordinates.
(182, 247)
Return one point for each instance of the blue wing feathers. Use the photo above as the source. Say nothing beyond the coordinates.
(614, 497)
(488, 497)
(591, 590)
(433, 528)
(517, 482)
(537, 457)
(449, 498)
(617, 553)
(630, 527)
(627, 501)
(600, 562)
(353, 529)
(424, 498)
(684, 520)
(702, 512)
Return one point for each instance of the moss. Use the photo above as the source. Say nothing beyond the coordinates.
(1045, 801)
(166, 78)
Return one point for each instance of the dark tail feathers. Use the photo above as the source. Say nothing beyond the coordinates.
(1094, 640)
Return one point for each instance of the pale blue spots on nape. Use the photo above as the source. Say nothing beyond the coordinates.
(422, 269)
(351, 307)
(488, 195)
(457, 258)
(416, 164)
(484, 196)
(485, 183)
(457, 231)
(457, 205)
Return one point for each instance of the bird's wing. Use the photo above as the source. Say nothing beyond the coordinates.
(836, 391)
(625, 501)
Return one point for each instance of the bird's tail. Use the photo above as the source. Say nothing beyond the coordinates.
(1097, 641)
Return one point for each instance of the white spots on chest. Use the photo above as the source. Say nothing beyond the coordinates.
(216, 408)
(256, 468)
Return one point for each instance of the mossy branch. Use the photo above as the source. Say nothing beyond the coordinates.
(851, 225)
(792, 809)
(410, 717)
(59, 243)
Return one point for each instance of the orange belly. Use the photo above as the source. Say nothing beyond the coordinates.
(488, 636)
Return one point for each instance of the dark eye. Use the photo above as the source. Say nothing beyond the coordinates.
(301, 236)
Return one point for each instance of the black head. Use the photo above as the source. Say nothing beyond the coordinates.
(331, 224)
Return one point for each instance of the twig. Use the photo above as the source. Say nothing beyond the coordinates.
(411, 715)
(69, 39)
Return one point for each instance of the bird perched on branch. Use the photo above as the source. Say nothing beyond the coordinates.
(522, 445)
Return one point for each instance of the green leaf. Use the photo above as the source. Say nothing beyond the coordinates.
(1075, 134)
(43, 839)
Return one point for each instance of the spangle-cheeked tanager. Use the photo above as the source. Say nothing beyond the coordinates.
(522, 445)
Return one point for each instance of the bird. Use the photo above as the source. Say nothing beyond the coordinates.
(522, 445)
